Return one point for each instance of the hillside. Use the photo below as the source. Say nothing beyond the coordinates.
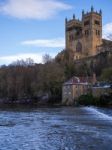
(87, 66)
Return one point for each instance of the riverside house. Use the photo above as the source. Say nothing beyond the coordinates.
(74, 88)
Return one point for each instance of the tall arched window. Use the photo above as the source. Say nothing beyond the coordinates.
(79, 47)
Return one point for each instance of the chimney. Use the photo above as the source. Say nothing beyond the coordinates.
(94, 78)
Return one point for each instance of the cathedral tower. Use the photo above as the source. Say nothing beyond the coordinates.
(74, 37)
(92, 31)
(84, 36)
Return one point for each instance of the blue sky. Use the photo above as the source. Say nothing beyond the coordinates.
(32, 28)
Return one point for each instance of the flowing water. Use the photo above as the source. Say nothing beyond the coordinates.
(83, 128)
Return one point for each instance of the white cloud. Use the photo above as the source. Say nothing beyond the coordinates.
(52, 43)
(33, 9)
(107, 31)
(11, 58)
(37, 57)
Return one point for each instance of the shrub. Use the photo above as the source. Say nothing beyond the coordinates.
(85, 99)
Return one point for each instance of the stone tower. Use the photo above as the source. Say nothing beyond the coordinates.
(83, 37)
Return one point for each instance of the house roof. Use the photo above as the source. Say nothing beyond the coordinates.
(79, 80)
(102, 85)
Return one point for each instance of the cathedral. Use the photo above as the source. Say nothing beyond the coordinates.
(84, 37)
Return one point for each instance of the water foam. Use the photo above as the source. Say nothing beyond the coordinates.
(95, 111)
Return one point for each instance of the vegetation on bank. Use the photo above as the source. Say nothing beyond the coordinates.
(87, 100)
(27, 82)
(107, 74)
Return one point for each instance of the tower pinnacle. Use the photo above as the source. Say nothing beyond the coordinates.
(92, 8)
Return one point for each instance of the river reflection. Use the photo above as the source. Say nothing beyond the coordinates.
(84, 128)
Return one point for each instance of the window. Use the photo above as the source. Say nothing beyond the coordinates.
(87, 32)
(71, 37)
(78, 33)
(97, 32)
(79, 47)
(86, 23)
(97, 22)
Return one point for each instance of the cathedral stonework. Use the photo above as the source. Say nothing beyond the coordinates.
(83, 37)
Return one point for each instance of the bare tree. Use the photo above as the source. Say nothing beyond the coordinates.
(27, 62)
(47, 58)
(110, 37)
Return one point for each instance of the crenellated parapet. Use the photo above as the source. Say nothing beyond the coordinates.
(92, 11)
(72, 20)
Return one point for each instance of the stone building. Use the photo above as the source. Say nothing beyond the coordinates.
(84, 37)
(101, 89)
(74, 88)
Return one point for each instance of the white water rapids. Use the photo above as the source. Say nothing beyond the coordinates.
(83, 128)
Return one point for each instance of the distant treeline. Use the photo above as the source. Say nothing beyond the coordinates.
(24, 81)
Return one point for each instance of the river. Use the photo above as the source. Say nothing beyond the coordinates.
(81, 128)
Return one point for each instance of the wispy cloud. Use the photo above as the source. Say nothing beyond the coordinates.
(33, 9)
(50, 43)
(37, 57)
(9, 59)
(107, 31)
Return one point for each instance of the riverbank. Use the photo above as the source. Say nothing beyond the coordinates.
(102, 101)
(84, 100)
(13, 106)
(31, 101)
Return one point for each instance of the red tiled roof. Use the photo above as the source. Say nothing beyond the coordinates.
(79, 80)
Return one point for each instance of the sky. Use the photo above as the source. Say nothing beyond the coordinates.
(33, 28)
